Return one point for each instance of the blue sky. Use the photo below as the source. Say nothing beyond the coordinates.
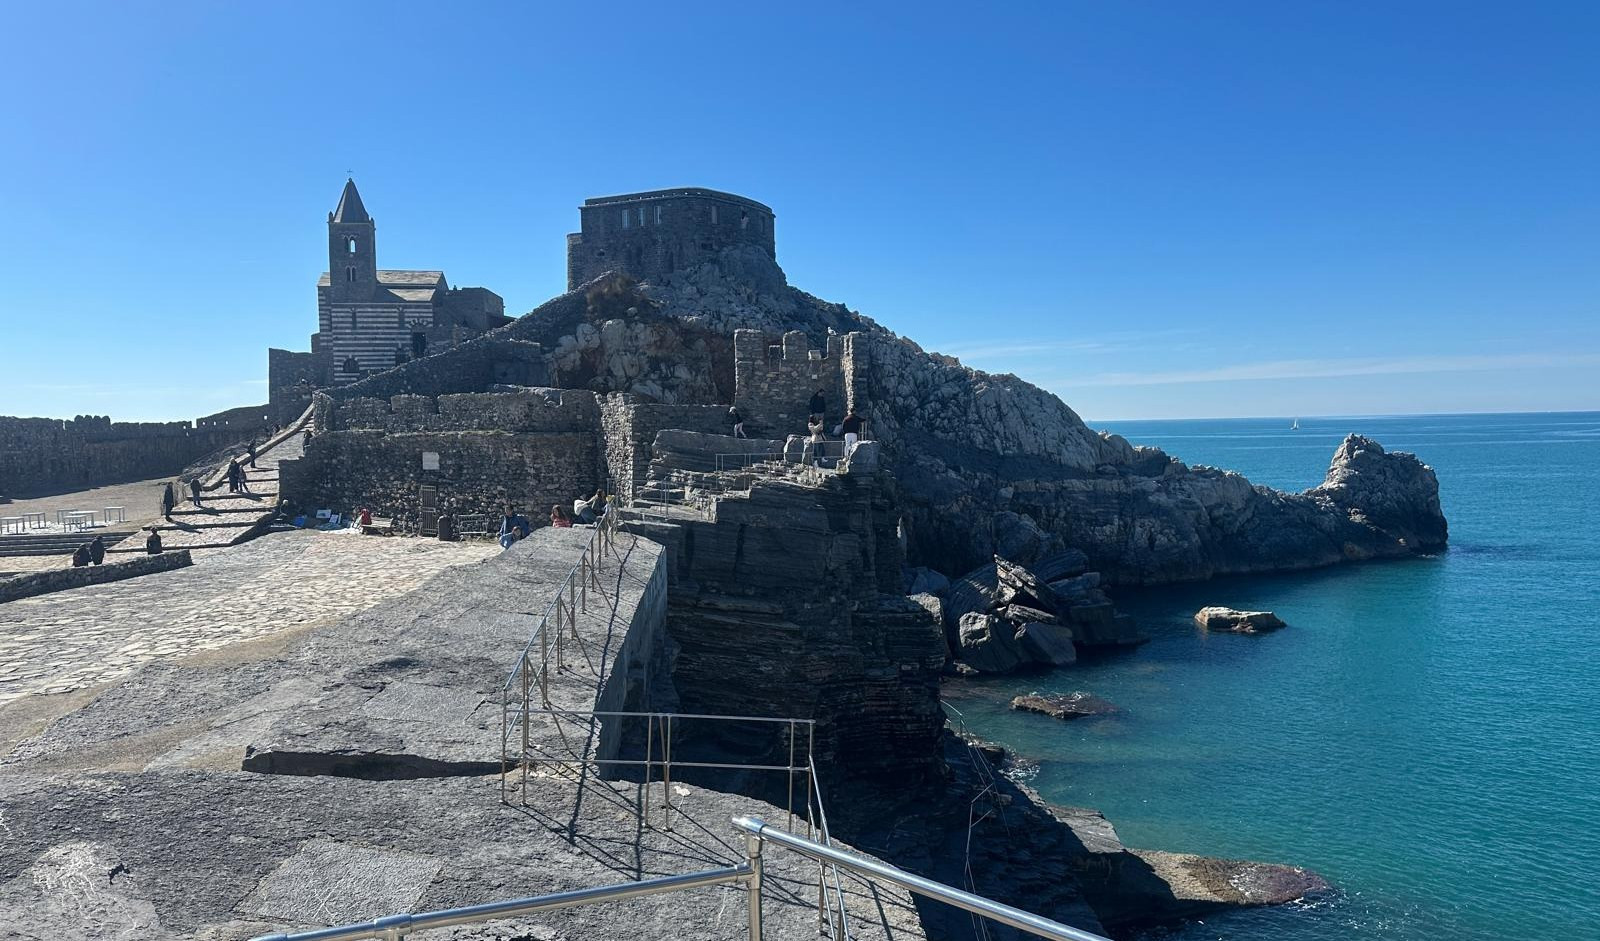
(1171, 209)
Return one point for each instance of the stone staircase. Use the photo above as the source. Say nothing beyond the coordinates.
(225, 518)
(58, 543)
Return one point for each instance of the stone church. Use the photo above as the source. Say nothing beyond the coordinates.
(370, 319)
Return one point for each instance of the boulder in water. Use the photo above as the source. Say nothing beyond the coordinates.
(1075, 705)
(1237, 622)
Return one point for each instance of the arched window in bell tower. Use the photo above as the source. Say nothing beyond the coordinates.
(350, 273)
(350, 244)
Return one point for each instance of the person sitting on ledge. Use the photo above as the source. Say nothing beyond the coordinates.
(597, 503)
(80, 556)
(513, 526)
(559, 517)
(152, 542)
(583, 510)
(97, 550)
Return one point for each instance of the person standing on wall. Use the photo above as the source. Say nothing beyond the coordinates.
(818, 407)
(737, 417)
(852, 430)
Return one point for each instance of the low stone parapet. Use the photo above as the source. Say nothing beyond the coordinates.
(42, 583)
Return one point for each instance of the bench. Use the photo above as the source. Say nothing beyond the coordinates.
(378, 527)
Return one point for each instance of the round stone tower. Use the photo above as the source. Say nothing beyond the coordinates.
(651, 234)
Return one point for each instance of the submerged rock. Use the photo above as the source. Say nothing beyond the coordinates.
(1237, 622)
(1071, 706)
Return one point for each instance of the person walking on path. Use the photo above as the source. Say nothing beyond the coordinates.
(194, 491)
(737, 417)
(97, 550)
(251, 450)
(152, 542)
(852, 431)
(819, 406)
(233, 475)
(80, 556)
(166, 500)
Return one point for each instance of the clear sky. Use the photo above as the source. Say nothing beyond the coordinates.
(1156, 209)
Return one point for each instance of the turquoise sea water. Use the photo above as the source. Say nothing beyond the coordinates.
(1423, 733)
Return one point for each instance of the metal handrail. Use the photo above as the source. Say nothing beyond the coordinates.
(927, 888)
(395, 927)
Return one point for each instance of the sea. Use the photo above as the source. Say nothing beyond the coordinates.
(1423, 733)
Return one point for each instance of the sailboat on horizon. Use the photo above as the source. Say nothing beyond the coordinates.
(1295, 425)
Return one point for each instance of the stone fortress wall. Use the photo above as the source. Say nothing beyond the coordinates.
(41, 456)
(655, 233)
(774, 382)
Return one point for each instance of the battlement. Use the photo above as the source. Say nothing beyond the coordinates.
(653, 233)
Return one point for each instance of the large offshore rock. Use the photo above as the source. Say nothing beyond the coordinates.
(1074, 705)
(1237, 622)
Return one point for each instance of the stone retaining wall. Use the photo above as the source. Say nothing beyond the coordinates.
(41, 583)
(478, 472)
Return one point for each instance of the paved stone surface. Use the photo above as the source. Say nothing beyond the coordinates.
(74, 639)
(140, 499)
(130, 794)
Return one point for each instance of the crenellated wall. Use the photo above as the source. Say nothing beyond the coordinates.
(775, 379)
(41, 456)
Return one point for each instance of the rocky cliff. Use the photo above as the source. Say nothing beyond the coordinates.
(991, 464)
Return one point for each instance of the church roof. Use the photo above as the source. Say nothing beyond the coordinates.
(350, 208)
(394, 278)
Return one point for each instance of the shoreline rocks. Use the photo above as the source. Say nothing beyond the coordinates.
(1075, 705)
(1227, 620)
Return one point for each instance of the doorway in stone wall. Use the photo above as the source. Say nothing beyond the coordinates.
(427, 510)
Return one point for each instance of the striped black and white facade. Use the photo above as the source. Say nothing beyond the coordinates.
(371, 319)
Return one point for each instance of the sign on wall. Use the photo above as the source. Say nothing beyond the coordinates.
(430, 460)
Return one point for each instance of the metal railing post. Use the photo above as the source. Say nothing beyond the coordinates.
(561, 660)
(790, 776)
(544, 666)
(505, 733)
(526, 691)
(649, 762)
(752, 852)
(666, 773)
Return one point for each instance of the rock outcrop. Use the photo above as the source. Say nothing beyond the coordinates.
(1237, 622)
(992, 465)
(1075, 705)
(1002, 617)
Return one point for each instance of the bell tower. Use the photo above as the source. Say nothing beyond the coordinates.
(352, 249)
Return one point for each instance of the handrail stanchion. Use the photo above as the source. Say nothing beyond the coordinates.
(526, 691)
(649, 763)
(666, 773)
(505, 734)
(752, 852)
(790, 776)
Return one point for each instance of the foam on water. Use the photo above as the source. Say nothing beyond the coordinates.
(1423, 733)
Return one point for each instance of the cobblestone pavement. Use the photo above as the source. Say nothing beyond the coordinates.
(74, 639)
